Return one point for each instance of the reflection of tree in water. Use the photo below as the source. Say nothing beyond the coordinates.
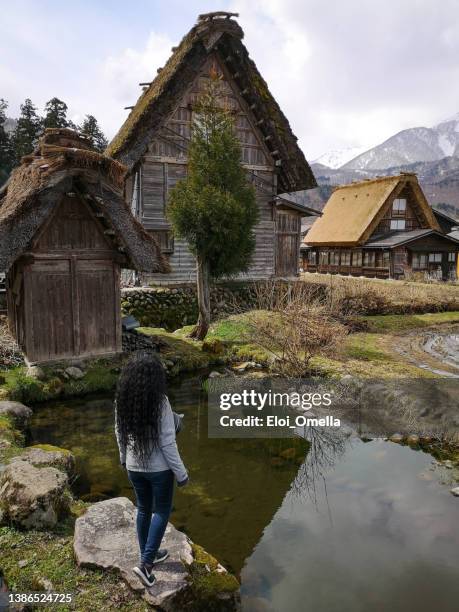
(327, 446)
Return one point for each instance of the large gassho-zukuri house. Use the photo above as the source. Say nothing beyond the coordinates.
(65, 234)
(384, 228)
(153, 144)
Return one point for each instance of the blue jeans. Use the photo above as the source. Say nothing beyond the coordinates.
(154, 492)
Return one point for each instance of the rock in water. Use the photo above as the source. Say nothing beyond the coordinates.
(105, 537)
(74, 372)
(455, 491)
(17, 411)
(31, 497)
(58, 458)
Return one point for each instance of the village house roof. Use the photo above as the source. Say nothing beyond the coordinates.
(353, 211)
(64, 162)
(214, 32)
(394, 239)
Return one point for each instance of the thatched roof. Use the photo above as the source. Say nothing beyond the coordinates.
(214, 33)
(353, 211)
(63, 162)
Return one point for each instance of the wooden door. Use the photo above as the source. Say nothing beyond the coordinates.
(287, 243)
(72, 308)
(98, 305)
(48, 310)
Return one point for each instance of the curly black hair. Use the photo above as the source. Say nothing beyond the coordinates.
(140, 392)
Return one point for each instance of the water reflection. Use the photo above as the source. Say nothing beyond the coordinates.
(376, 535)
(327, 523)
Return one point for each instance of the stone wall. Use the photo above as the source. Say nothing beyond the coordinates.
(174, 307)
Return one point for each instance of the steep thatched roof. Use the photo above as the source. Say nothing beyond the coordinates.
(64, 162)
(353, 211)
(214, 33)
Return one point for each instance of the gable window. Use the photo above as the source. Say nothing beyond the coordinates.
(399, 206)
(397, 224)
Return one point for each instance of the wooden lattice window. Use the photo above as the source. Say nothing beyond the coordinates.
(165, 240)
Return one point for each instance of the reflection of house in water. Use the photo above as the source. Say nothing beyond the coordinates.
(384, 228)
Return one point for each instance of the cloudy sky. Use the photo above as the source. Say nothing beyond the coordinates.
(345, 73)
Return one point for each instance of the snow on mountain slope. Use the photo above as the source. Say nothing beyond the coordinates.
(409, 146)
(338, 157)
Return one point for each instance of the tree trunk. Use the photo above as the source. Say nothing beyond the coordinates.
(199, 332)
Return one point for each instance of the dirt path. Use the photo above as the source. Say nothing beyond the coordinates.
(435, 349)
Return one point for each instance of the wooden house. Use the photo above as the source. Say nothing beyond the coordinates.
(153, 144)
(384, 228)
(65, 232)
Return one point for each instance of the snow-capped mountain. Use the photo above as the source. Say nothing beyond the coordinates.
(409, 146)
(338, 157)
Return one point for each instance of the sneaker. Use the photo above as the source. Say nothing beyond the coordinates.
(161, 556)
(146, 576)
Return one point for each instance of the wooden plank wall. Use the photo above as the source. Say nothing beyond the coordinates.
(165, 163)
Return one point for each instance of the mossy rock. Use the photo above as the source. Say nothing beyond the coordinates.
(214, 588)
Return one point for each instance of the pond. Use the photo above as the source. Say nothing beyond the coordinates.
(345, 525)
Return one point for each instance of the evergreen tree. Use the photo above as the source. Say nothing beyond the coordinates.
(91, 128)
(55, 114)
(6, 149)
(214, 208)
(27, 131)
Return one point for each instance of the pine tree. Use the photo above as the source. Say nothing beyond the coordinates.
(214, 208)
(91, 128)
(6, 149)
(28, 128)
(55, 114)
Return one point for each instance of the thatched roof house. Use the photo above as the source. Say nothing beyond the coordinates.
(353, 211)
(154, 139)
(381, 227)
(64, 162)
(213, 32)
(65, 232)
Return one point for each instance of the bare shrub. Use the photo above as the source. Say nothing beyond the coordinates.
(377, 296)
(293, 323)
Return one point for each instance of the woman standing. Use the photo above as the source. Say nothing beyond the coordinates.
(145, 431)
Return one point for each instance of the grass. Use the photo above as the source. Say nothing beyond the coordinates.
(49, 557)
(101, 376)
(397, 323)
(371, 353)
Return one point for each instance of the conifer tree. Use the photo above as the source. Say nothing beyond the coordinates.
(91, 128)
(28, 129)
(55, 114)
(214, 208)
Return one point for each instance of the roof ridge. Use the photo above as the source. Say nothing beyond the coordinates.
(376, 179)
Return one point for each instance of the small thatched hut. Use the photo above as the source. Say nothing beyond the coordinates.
(65, 232)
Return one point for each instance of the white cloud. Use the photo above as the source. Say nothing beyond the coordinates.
(353, 73)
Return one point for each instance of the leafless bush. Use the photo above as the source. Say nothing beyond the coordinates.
(293, 323)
